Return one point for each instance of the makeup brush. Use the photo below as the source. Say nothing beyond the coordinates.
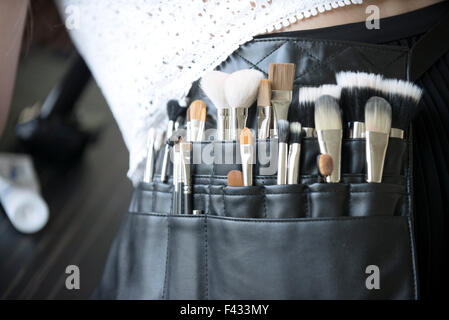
(325, 165)
(186, 151)
(241, 91)
(213, 84)
(176, 177)
(235, 178)
(281, 76)
(356, 89)
(283, 133)
(403, 96)
(294, 152)
(329, 132)
(197, 120)
(305, 112)
(175, 115)
(149, 165)
(378, 125)
(264, 109)
(188, 129)
(246, 153)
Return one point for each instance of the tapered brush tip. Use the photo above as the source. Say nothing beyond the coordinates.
(403, 88)
(295, 132)
(281, 76)
(174, 110)
(246, 136)
(198, 110)
(241, 88)
(283, 130)
(264, 95)
(378, 115)
(212, 83)
(327, 114)
(325, 165)
(235, 178)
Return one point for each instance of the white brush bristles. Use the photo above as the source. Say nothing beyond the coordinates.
(401, 87)
(213, 83)
(349, 79)
(241, 88)
(327, 114)
(310, 94)
(378, 115)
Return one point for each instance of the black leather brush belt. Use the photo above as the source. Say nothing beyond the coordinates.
(312, 240)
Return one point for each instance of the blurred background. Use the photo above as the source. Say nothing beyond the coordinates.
(60, 119)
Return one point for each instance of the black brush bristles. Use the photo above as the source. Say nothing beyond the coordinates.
(356, 89)
(304, 113)
(283, 131)
(404, 97)
(174, 110)
(296, 133)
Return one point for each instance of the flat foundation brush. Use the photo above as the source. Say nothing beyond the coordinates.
(329, 131)
(241, 91)
(404, 97)
(294, 152)
(304, 113)
(378, 125)
(283, 133)
(213, 84)
(246, 153)
(264, 109)
(176, 114)
(281, 76)
(356, 89)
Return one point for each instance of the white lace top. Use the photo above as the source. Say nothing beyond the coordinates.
(144, 52)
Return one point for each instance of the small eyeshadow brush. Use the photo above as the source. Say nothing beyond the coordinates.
(198, 113)
(283, 133)
(235, 178)
(294, 152)
(246, 153)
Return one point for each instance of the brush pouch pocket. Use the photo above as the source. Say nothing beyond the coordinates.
(310, 240)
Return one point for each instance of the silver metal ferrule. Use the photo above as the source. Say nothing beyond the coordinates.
(223, 123)
(170, 128)
(238, 121)
(195, 126)
(309, 132)
(282, 163)
(330, 143)
(293, 163)
(197, 212)
(376, 148)
(246, 153)
(263, 122)
(185, 165)
(357, 130)
(280, 100)
(149, 165)
(396, 133)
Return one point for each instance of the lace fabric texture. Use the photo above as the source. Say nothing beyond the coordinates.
(144, 53)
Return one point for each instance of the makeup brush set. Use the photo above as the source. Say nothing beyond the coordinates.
(359, 107)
